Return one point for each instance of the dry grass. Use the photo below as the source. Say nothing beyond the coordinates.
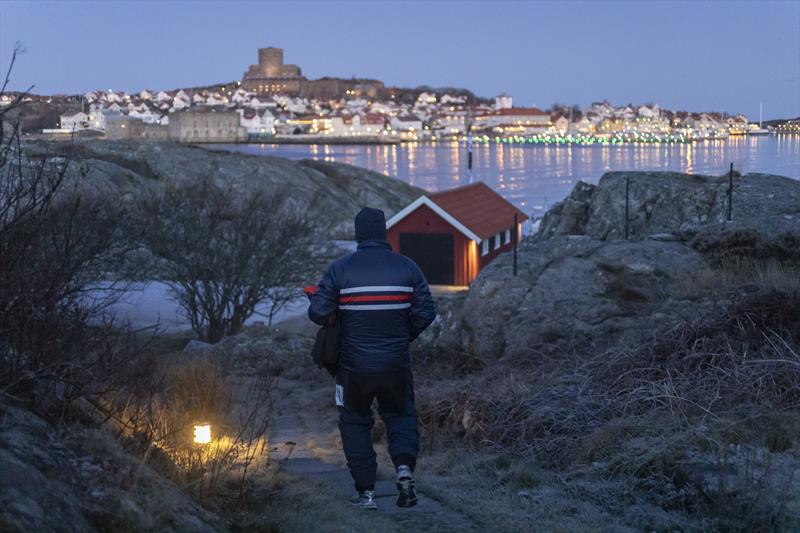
(695, 420)
(732, 275)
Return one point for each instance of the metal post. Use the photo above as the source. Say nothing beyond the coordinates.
(730, 193)
(515, 237)
(469, 153)
(627, 204)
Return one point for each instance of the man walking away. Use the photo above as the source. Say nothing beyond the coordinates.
(384, 303)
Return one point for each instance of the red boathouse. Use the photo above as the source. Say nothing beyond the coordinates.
(453, 234)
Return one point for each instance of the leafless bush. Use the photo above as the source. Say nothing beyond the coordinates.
(55, 244)
(224, 251)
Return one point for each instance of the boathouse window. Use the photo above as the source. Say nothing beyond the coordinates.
(507, 238)
(485, 247)
(496, 241)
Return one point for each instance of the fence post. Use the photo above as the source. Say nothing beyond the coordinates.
(627, 204)
(730, 192)
(515, 237)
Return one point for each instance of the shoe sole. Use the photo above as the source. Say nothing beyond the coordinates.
(370, 507)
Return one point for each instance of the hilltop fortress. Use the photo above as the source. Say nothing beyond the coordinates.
(271, 76)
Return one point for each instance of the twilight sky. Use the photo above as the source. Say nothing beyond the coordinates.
(682, 55)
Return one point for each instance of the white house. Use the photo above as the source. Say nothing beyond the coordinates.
(452, 124)
(369, 124)
(647, 111)
(449, 99)
(407, 126)
(561, 125)
(503, 101)
(240, 96)
(257, 103)
(426, 98)
(215, 99)
(583, 126)
(257, 121)
(147, 115)
(74, 122)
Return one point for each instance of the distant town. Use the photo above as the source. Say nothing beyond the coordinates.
(274, 102)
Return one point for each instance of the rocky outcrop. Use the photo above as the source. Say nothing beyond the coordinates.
(572, 291)
(332, 189)
(669, 202)
(77, 479)
(580, 286)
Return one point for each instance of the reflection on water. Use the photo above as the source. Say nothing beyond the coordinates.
(535, 176)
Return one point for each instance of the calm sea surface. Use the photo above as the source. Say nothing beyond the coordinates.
(536, 176)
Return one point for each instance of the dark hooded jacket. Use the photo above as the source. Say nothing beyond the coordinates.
(383, 300)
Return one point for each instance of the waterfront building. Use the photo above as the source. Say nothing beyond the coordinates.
(206, 125)
(258, 122)
(613, 124)
(122, 127)
(583, 126)
(366, 125)
(560, 125)
(451, 124)
(453, 234)
(737, 125)
(408, 126)
(528, 118)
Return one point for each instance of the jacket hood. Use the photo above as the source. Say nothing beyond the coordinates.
(370, 225)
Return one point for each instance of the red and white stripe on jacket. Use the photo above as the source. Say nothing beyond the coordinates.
(375, 298)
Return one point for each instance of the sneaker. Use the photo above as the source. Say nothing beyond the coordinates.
(407, 497)
(364, 499)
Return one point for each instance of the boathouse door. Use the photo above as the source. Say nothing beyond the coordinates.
(433, 252)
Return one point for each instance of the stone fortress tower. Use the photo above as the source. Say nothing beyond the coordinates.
(272, 76)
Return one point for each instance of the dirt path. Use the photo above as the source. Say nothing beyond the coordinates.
(309, 453)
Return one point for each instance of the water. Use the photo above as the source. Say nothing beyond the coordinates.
(535, 176)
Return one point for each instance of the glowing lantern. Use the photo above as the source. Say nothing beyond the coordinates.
(202, 434)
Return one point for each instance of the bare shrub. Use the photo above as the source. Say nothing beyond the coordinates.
(55, 245)
(193, 392)
(224, 251)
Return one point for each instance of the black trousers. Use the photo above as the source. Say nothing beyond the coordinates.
(394, 392)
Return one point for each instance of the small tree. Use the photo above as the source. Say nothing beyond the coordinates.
(224, 251)
(57, 247)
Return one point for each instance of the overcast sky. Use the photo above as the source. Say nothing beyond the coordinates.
(682, 55)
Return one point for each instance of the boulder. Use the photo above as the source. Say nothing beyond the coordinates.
(572, 290)
(72, 478)
(670, 202)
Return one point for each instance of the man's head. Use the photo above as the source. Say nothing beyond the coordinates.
(370, 225)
